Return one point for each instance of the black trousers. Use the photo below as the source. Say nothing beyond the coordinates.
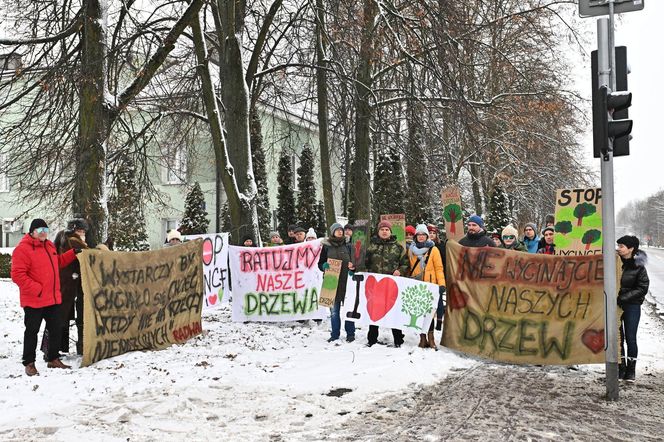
(33, 320)
(372, 336)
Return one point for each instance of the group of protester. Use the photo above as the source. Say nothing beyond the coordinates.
(48, 277)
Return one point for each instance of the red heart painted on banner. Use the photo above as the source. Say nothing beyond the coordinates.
(212, 299)
(456, 298)
(593, 339)
(381, 296)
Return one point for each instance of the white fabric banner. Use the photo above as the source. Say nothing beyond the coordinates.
(215, 268)
(276, 284)
(390, 301)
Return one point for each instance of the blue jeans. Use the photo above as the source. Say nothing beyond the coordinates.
(629, 323)
(336, 322)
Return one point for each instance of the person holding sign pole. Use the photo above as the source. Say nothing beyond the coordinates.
(634, 284)
(35, 270)
(336, 247)
(426, 265)
(385, 255)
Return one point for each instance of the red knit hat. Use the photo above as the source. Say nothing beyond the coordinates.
(410, 230)
(432, 228)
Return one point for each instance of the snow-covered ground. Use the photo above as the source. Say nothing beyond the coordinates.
(248, 382)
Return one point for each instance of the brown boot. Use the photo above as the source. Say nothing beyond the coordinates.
(57, 363)
(432, 342)
(31, 370)
(423, 341)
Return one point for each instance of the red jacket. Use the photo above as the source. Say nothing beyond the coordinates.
(35, 270)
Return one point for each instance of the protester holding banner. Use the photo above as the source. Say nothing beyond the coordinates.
(173, 238)
(410, 233)
(548, 248)
(530, 238)
(476, 235)
(440, 242)
(35, 270)
(634, 284)
(426, 265)
(275, 239)
(299, 234)
(73, 237)
(386, 256)
(336, 247)
(511, 241)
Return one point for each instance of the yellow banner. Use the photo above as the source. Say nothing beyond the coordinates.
(140, 300)
(524, 308)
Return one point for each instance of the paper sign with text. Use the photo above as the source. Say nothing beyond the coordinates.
(328, 291)
(452, 214)
(140, 300)
(215, 268)
(276, 284)
(524, 308)
(390, 301)
(578, 225)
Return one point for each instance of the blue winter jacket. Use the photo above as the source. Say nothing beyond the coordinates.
(531, 244)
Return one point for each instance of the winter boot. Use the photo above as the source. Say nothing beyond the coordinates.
(630, 371)
(423, 341)
(431, 340)
(57, 363)
(79, 341)
(31, 370)
(621, 369)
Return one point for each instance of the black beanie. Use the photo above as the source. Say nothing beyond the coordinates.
(36, 223)
(629, 241)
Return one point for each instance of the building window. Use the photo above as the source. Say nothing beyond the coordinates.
(175, 170)
(4, 179)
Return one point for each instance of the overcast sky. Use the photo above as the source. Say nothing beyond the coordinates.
(642, 172)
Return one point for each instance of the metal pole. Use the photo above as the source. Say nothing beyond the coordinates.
(606, 57)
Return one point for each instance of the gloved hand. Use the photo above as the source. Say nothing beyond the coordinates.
(77, 251)
(326, 266)
(350, 274)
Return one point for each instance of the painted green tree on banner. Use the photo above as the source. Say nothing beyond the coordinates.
(591, 236)
(563, 227)
(416, 302)
(583, 210)
(452, 214)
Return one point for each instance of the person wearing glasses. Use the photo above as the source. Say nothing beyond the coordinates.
(510, 240)
(530, 238)
(36, 271)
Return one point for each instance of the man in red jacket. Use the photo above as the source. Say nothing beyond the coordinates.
(35, 269)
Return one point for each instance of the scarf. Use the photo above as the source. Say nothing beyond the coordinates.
(419, 249)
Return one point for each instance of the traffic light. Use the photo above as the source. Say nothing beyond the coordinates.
(616, 125)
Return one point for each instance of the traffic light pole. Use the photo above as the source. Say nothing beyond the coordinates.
(607, 76)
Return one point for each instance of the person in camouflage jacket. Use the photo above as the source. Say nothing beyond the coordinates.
(386, 256)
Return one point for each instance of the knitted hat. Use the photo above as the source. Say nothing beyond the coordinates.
(494, 235)
(509, 230)
(410, 230)
(385, 224)
(297, 229)
(78, 224)
(531, 225)
(37, 223)
(550, 228)
(629, 241)
(173, 234)
(432, 228)
(274, 233)
(311, 233)
(348, 226)
(477, 220)
(421, 228)
(334, 227)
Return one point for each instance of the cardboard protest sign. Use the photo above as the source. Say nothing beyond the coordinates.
(140, 300)
(451, 199)
(359, 242)
(276, 284)
(390, 301)
(525, 308)
(398, 222)
(330, 283)
(215, 268)
(578, 227)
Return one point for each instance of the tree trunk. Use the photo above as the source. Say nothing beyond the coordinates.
(361, 181)
(321, 89)
(89, 198)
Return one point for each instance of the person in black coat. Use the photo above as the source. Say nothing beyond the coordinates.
(475, 234)
(634, 285)
(336, 247)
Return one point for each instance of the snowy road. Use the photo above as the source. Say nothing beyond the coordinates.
(655, 268)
